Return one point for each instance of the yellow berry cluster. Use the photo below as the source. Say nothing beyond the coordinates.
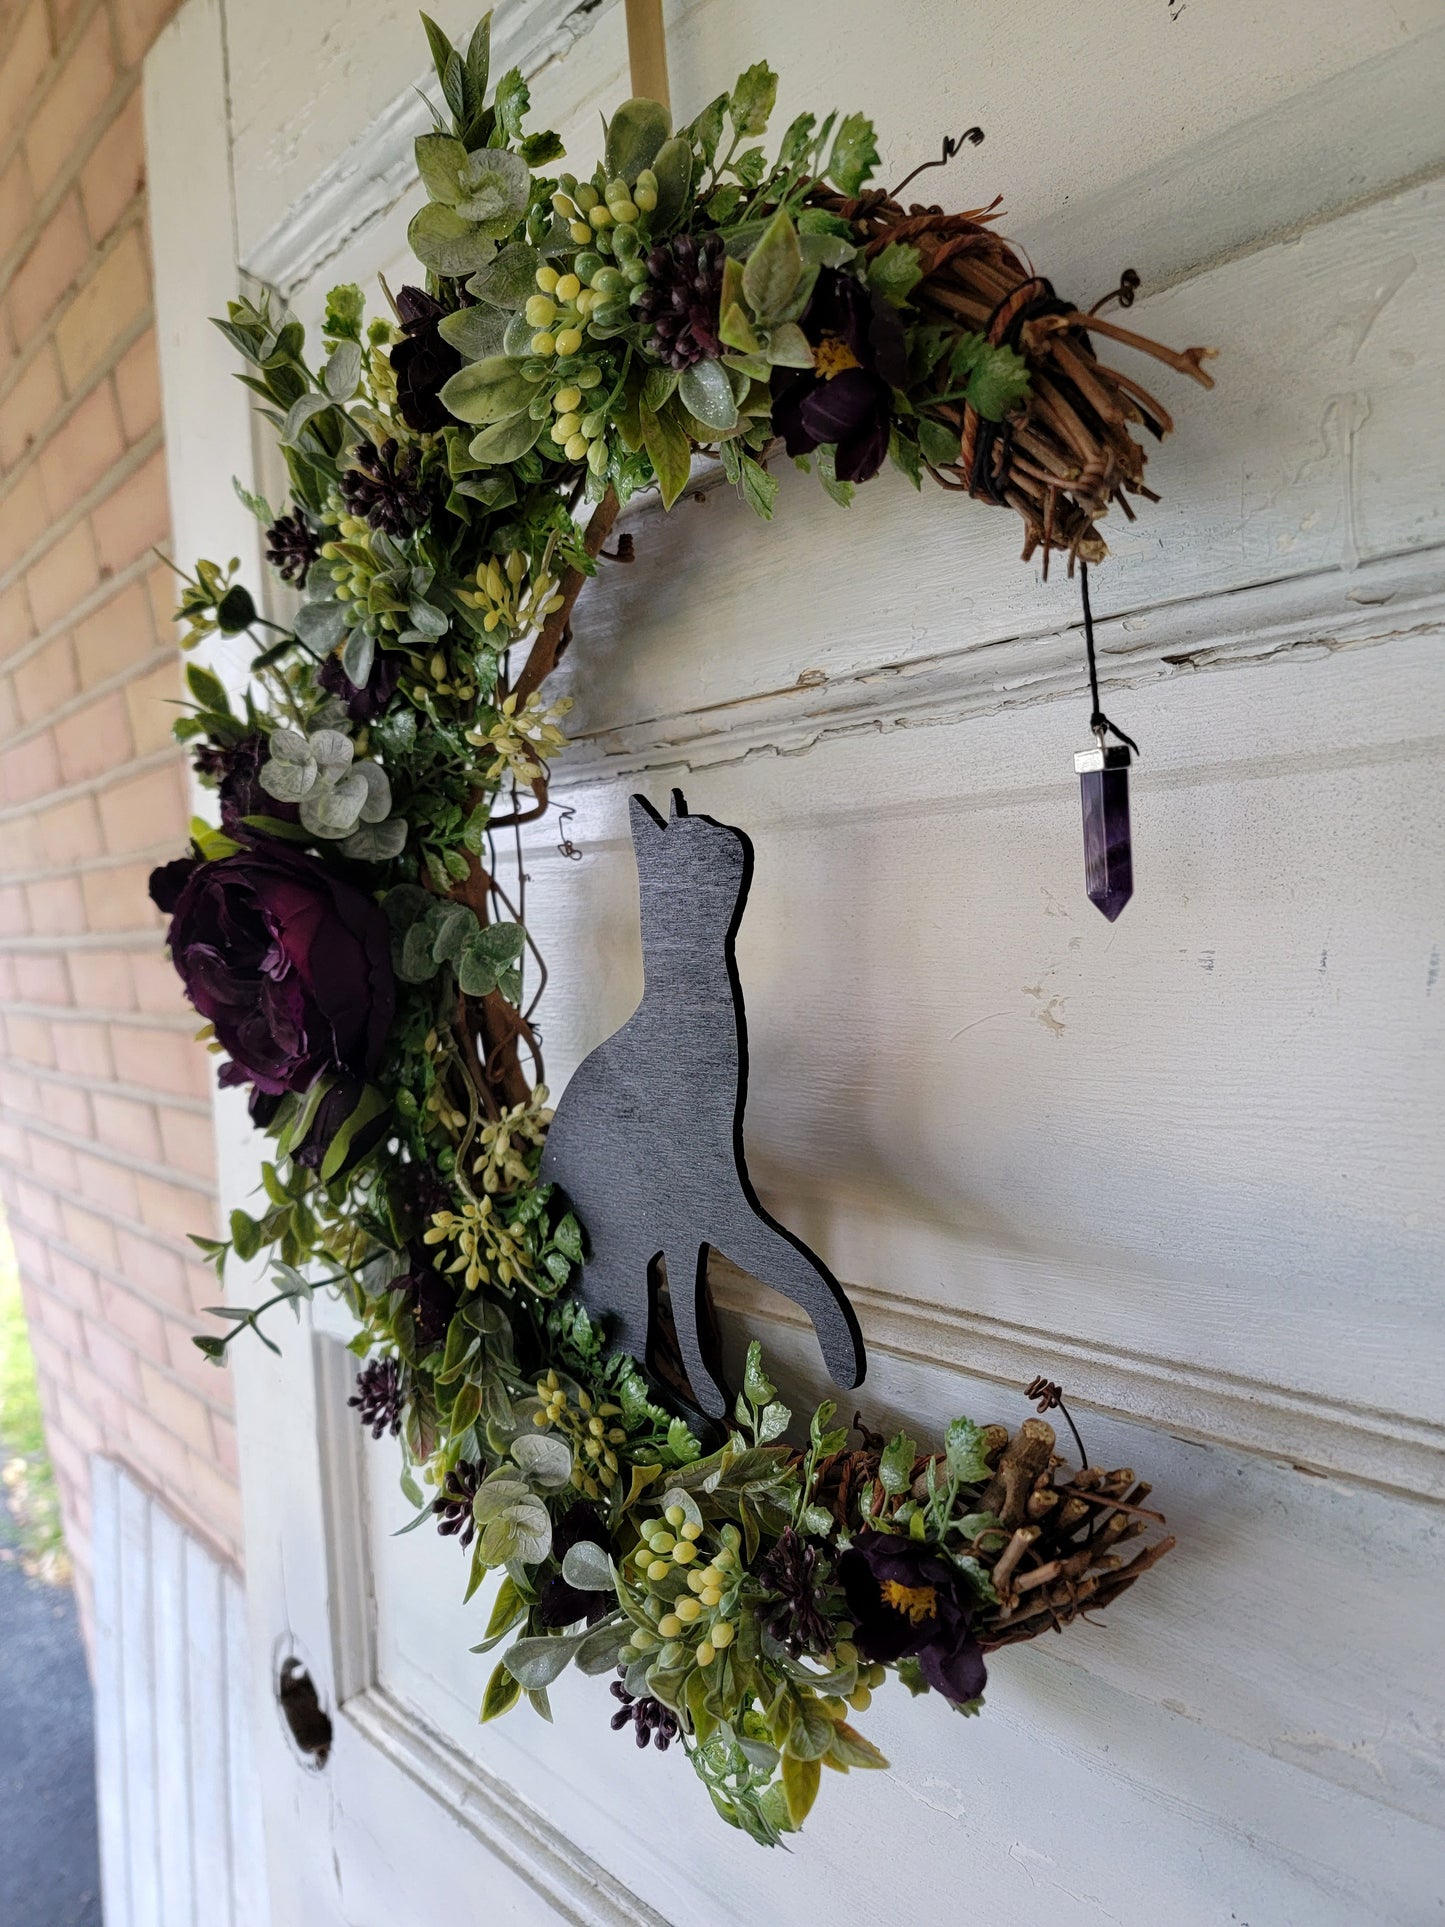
(354, 568)
(507, 1143)
(509, 600)
(487, 1248)
(688, 1592)
(438, 1105)
(523, 739)
(590, 1430)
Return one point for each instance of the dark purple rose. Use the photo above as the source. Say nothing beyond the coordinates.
(236, 771)
(289, 963)
(906, 1601)
(364, 701)
(859, 358)
(422, 362)
(561, 1603)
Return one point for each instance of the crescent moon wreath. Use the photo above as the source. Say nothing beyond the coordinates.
(455, 470)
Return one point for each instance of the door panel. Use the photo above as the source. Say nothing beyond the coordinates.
(1188, 1163)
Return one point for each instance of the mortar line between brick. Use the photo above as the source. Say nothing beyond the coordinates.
(92, 865)
(106, 116)
(153, 759)
(134, 458)
(58, 62)
(108, 1087)
(73, 705)
(57, 1241)
(92, 1014)
(96, 1147)
(65, 941)
(88, 605)
(95, 260)
(187, 1253)
(119, 348)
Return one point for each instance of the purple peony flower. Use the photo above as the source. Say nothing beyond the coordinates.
(364, 701)
(859, 358)
(289, 963)
(908, 1602)
(422, 362)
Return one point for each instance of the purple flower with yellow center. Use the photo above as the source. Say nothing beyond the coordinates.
(846, 398)
(908, 1602)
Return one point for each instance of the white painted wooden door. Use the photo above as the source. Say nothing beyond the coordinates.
(1189, 1164)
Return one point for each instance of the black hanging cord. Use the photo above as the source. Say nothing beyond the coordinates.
(1098, 721)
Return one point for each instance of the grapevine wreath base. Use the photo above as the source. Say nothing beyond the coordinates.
(362, 967)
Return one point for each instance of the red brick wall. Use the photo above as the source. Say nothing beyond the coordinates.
(106, 1158)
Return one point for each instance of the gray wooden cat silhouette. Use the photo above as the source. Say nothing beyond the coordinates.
(647, 1142)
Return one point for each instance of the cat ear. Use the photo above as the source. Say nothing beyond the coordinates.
(647, 826)
(679, 805)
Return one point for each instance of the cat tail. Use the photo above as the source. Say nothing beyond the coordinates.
(763, 1249)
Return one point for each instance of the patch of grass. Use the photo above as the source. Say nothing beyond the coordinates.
(27, 1481)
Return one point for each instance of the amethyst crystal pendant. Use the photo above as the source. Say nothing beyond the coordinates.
(1108, 854)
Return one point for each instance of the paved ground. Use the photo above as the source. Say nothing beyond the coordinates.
(49, 1871)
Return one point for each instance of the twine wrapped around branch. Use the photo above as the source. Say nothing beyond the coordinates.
(1068, 453)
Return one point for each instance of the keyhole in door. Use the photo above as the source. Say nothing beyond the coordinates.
(302, 1711)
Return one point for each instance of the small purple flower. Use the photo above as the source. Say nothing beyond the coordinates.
(859, 357)
(907, 1601)
(364, 701)
(289, 963)
(422, 362)
(236, 770)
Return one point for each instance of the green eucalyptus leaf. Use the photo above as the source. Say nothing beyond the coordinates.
(486, 391)
(447, 242)
(506, 441)
(635, 134)
(707, 393)
(441, 160)
(587, 1567)
(358, 655)
(506, 282)
(598, 1651)
(545, 1458)
(673, 165)
(477, 332)
(535, 1663)
(495, 186)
